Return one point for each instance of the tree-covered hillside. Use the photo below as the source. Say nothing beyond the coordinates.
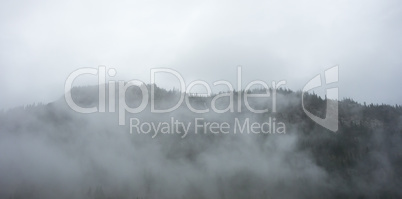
(51, 151)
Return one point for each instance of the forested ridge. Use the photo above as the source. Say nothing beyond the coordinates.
(50, 151)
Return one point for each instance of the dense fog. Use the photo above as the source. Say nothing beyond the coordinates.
(50, 151)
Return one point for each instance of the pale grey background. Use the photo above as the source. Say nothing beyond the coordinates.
(42, 42)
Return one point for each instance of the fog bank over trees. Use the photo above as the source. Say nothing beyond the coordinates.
(50, 151)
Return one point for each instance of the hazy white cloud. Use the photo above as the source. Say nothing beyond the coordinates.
(42, 42)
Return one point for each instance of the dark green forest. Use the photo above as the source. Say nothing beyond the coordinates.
(50, 151)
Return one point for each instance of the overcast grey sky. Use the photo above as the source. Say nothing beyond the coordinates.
(42, 42)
